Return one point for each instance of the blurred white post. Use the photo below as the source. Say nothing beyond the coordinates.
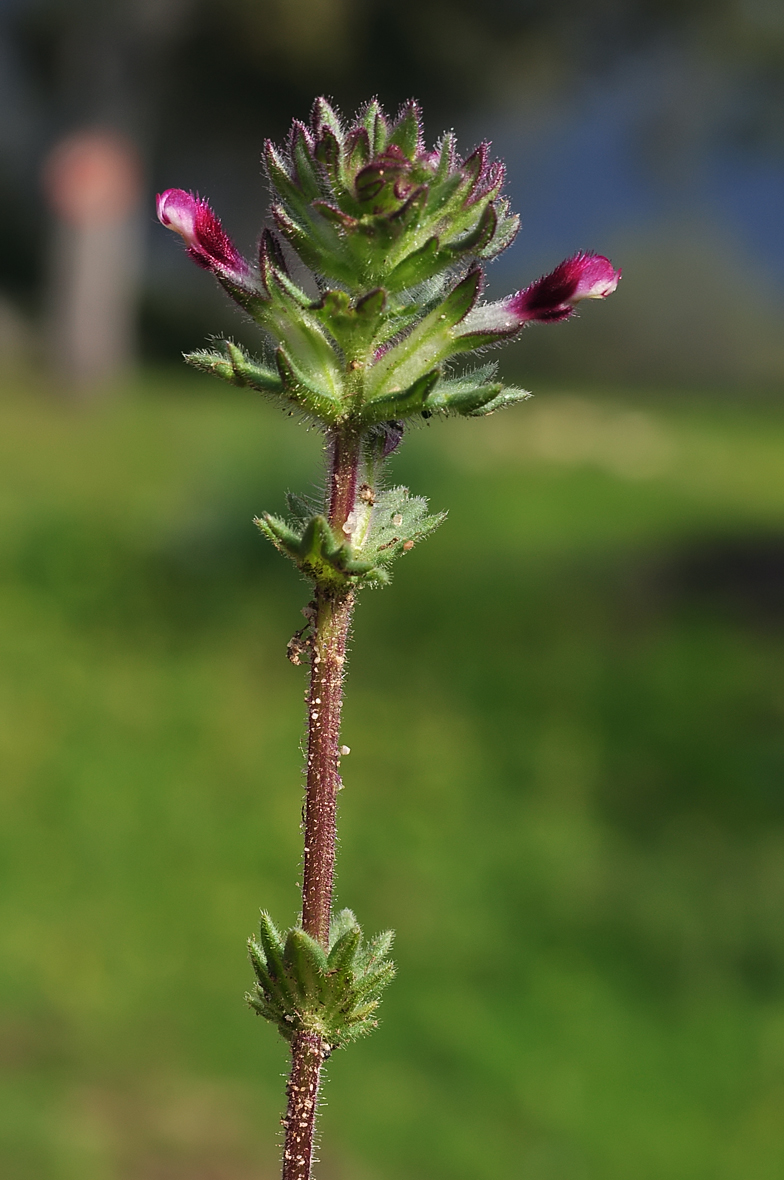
(93, 180)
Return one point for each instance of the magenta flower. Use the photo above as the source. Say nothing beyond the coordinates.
(208, 243)
(553, 297)
(549, 299)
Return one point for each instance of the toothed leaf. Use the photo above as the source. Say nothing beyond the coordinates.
(306, 966)
(406, 132)
(340, 924)
(299, 507)
(433, 340)
(341, 957)
(401, 405)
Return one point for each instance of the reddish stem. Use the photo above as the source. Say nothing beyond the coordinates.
(307, 1054)
(325, 700)
(344, 451)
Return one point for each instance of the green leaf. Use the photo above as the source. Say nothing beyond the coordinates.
(447, 196)
(356, 153)
(446, 155)
(376, 126)
(370, 985)
(283, 183)
(285, 293)
(407, 131)
(308, 395)
(305, 172)
(313, 548)
(381, 531)
(289, 317)
(377, 949)
(342, 954)
(316, 241)
(235, 366)
(271, 942)
(401, 405)
(272, 946)
(299, 507)
(329, 155)
(353, 325)
(266, 1008)
(259, 963)
(398, 522)
(340, 923)
(285, 539)
(476, 239)
(217, 364)
(269, 987)
(306, 966)
(323, 555)
(504, 235)
(472, 394)
(418, 266)
(428, 343)
(325, 116)
(509, 396)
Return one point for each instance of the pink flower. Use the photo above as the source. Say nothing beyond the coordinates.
(553, 297)
(549, 299)
(208, 243)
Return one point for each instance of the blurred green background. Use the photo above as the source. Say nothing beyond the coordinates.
(565, 716)
(564, 792)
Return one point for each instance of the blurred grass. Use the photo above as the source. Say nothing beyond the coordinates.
(564, 792)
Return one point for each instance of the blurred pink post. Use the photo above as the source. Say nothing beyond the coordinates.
(93, 181)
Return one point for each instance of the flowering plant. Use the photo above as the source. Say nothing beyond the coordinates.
(395, 236)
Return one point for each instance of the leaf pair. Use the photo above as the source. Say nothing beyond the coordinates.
(303, 988)
(379, 530)
(406, 380)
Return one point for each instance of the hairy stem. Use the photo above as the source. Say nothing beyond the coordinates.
(344, 453)
(325, 700)
(307, 1054)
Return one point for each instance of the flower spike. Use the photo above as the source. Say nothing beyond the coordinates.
(396, 236)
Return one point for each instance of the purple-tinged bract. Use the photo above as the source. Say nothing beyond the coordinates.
(369, 204)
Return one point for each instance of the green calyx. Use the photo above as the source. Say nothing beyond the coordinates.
(300, 987)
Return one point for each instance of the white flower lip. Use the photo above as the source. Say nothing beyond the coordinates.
(177, 211)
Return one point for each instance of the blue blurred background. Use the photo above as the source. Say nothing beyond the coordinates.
(565, 785)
